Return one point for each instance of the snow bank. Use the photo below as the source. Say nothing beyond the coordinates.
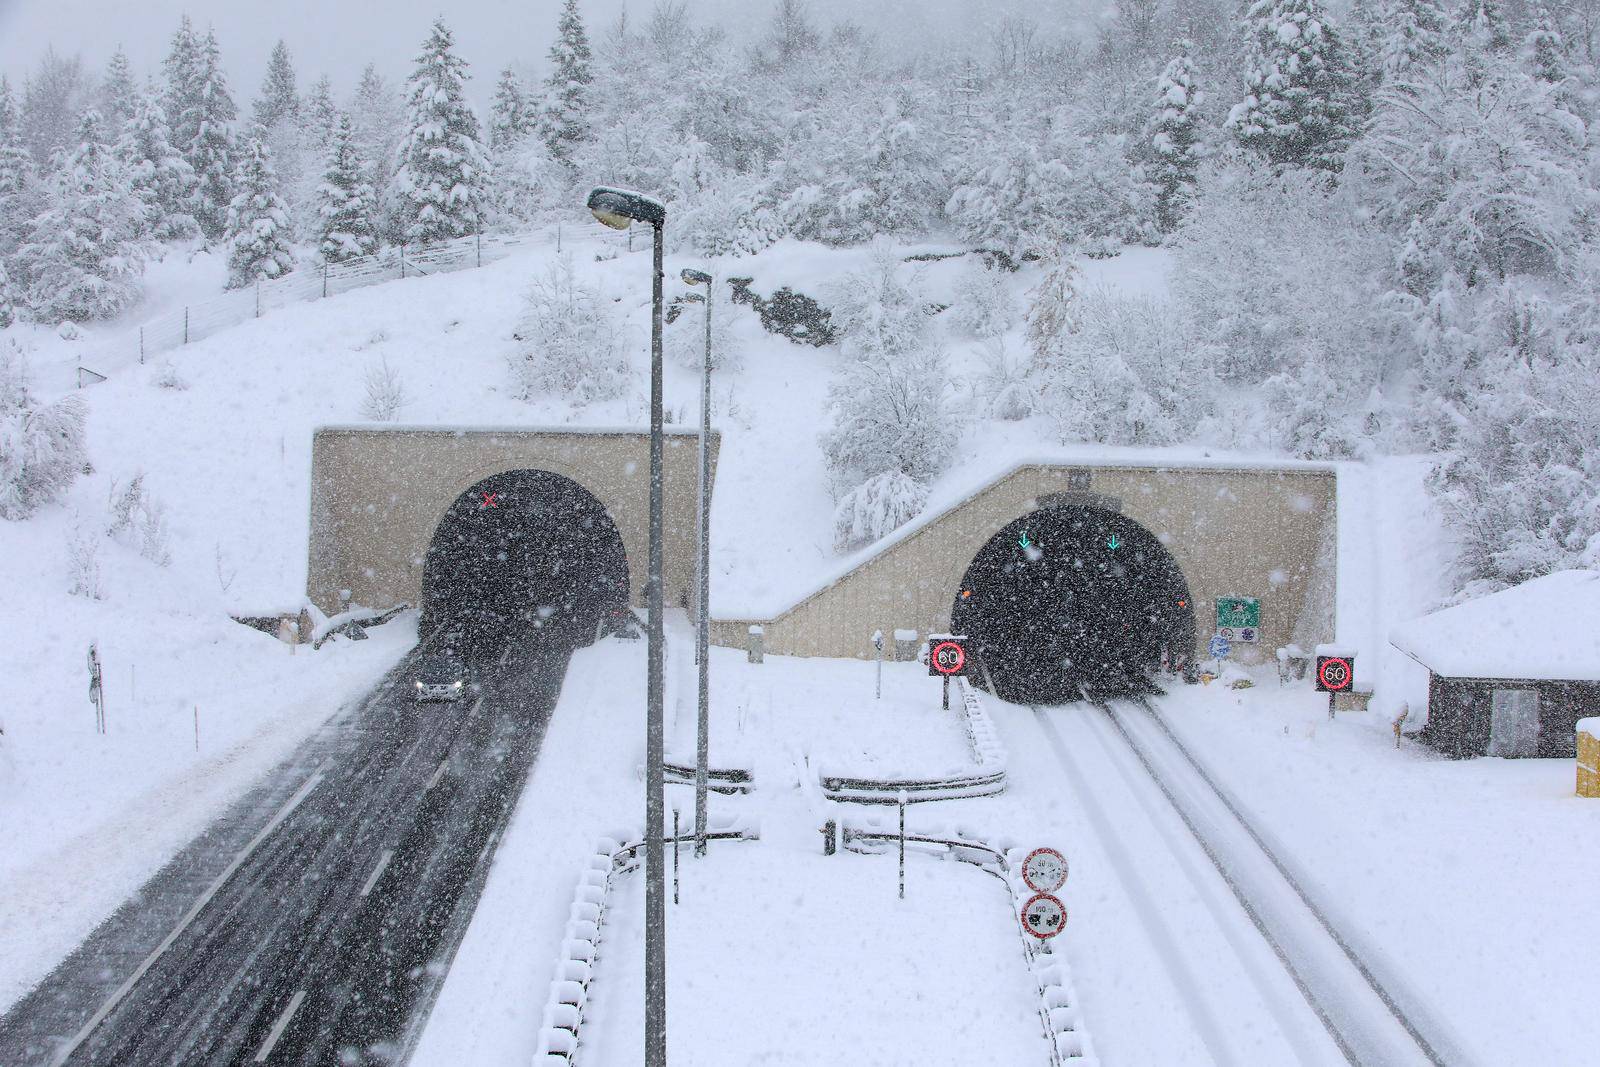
(1547, 629)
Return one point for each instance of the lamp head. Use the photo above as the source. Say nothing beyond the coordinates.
(619, 207)
(691, 276)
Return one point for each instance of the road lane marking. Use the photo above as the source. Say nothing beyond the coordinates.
(377, 872)
(505, 656)
(279, 1026)
(205, 898)
(438, 774)
(476, 704)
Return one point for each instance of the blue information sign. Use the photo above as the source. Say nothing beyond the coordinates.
(1220, 647)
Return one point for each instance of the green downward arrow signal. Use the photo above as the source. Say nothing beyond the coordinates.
(1024, 542)
(1115, 543)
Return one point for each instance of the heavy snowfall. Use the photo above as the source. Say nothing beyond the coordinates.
(1359, 239)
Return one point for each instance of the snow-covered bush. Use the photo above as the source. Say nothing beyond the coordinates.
(881, 309)
(133, 509)
(686, 336)
(568, 341)
(41, 446)
(83, 564)
(877, 507)
(166, 377)
(1003, 381)
(984, 306)
(386, 393)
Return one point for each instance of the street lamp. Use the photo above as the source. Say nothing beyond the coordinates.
(702, 751)
(619, 208)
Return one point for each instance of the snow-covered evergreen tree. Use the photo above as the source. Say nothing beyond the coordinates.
(8, 306)
(20, 196)
(42, 446)
(1414, 36)
(1175, 141)
(378, 114)
(1301, 107)
(319, 116)
(565, 117)
(279, 100)
(181, 67)
(87, 249)
(159, 174)
(442, 182)
(53, 97)
(258, 233)
(509, 118)
(1545, 50)
(569, 343)
(203, 132)
(881, 309)
(345, 201)
(118, 95)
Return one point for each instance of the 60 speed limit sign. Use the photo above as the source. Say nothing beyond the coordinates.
(1043, 916)
(1044, 870)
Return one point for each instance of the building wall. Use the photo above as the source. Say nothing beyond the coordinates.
(1461, 710)
(378, 495)
(1243, 532)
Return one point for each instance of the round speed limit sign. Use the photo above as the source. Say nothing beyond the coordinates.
(1044, 870)
(1044, 916)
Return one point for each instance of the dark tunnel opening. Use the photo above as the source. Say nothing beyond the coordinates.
(522, 553)
(1074, 601)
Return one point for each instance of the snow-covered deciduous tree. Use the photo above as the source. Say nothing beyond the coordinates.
(442, 182)
(508, 118)
(202, 130)
(20, 194)
(87, 249)
(529, 183)
(53, 97)
(565, 117)
(42, 446)
(1175, 141)
(1003, 381)
(258, 235)
(160, 175)
(8, 305)
(686, 336)
(984, 304)
(569, 343)
(889, 415)
(345, 203)
(1301, 106)
(1051, 303)
(279, 100)
(881, 309)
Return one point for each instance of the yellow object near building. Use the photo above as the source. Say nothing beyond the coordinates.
(1589, 757)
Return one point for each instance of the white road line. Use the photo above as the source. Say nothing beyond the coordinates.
(205, 898)
(476, 704)
(377, 872)
(279, 1026)
(505, 656)
(438, 774)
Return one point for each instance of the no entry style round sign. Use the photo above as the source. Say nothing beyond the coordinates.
(1044, 870)
(1044, 916)
(948, 658)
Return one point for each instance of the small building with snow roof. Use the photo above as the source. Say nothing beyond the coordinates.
(1510, 674)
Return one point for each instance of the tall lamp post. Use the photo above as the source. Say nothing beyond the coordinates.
(619, 208)
(702, 750)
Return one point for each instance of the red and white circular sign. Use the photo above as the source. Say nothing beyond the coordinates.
(948, 657)
(1335, 673)
(1044, 916)
(1044, 870)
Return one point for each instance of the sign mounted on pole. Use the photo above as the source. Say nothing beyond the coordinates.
(1335, 674)
(1044, 870)
(947, 655)
(1238, 612)
(1220, 646)
(1044, 916)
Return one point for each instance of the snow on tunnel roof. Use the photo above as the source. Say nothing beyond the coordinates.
(1546, 629)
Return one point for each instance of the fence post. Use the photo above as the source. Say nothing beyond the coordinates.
(478, 243)
(141, 346)
(258, 296)
(186, 325)
(324, 279)
(402, 260)
(558, 237)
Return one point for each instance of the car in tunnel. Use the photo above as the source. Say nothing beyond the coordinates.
(442, 676)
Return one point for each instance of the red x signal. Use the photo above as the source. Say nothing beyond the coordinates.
(490, 500)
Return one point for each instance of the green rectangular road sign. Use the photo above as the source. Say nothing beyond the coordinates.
(1236, 611)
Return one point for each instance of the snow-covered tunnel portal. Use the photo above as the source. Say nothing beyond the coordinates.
(519, 551)
(1073, 599)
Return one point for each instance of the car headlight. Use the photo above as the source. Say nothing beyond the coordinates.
(458, 685)
(419, 685)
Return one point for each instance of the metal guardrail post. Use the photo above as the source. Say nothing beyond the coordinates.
(141, 346)
(186, 325)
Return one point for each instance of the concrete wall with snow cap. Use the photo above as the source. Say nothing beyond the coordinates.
(1234, 530)
(378, 493)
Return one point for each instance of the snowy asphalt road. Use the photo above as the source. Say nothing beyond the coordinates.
(326, 937)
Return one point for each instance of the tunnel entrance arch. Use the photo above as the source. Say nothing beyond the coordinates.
(522, 551)
(1070, 600)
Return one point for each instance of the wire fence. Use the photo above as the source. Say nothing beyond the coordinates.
(198, 321)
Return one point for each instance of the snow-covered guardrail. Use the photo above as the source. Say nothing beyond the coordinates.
(728, 781)
(986, 779)
(1062, 1022)
(561, 1024)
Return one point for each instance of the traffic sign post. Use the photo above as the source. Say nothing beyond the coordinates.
(1238, 613)
(947, 658)
(1335, 674)
(1044, 916)
(1219, 649)
(1044, 870)
(877, 643)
